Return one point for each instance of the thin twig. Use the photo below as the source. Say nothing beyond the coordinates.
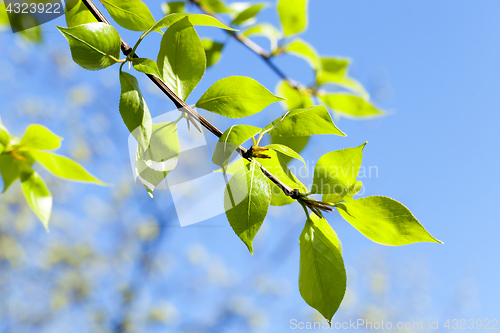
(182, 106)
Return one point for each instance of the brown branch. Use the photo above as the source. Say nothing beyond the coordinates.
(180, 104)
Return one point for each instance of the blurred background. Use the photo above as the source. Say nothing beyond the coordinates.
(116, 260)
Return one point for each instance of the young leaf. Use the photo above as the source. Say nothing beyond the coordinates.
(296, 143)
(37, 195)
(131, 14)
(9, 169)
(64, 167)
(305, 122)
(133, 109)
(322, 275)
(305, 51)
(77, 13)
(39, 137)
(295, 99)
(212, 51)
(155, 163)
(94, 46)
(230, 140)
(293, 15)
(194, 19)
(350, 105)
(278, 168)
(216, 6)
(247, 14)
(246, 201)
(267, 30)
(385, 221)
(181, 59)
(285, 150)
(146, 66)
(172, 7)
(335, 173)
(4, 136)
(236, 97)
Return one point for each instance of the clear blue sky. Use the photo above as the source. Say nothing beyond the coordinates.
(434, 66)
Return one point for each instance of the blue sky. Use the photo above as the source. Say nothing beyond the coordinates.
(434, 66)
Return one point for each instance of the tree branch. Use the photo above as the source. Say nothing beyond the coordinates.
(180, 104)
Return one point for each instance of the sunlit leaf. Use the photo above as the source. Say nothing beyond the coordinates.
(335, 173)
(77, 13)
(304, 122)
(267, 30)
(285, 150)
(133, 109)
(293, 15)
(9, 169)
(146, 66)
(181, 59)
(155, 163)
(305, 51)
(350, 105)
(194, 19)
(296, 143)
(64, 167)
(248, 13)
(322, 275)
(38, 196)
(39, 137)
(236, 97)
(295, 99)
(230, 140)
(94, 46)
(385, 221)
(246, 201)
(212, 51)
(131, 14)
(173, 7)
(216, 6)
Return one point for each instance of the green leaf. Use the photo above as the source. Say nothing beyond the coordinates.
(77, 13)
(212, 51)
(94, 46)
(172, 7)
(9, 169)
(155, 163)
(350, 105)
(38, 196)
(146, 66)
(133, 109)
(322, 275)
(230, 140)
(247, 13)
(267, 30)
(295, 99)
(293, 15)
(285, 150)
(385, 221)
(131, 14)
(304, 122)
(216, 6)
(296, 143)
(334, 71)
(305, 51)
(181, 59)
(194, 19)
(277, 166)
(236, 97)
(39, 137)
(4, 18)
(335, 173)
(4, 136)
(64, 167)
(246, 201)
